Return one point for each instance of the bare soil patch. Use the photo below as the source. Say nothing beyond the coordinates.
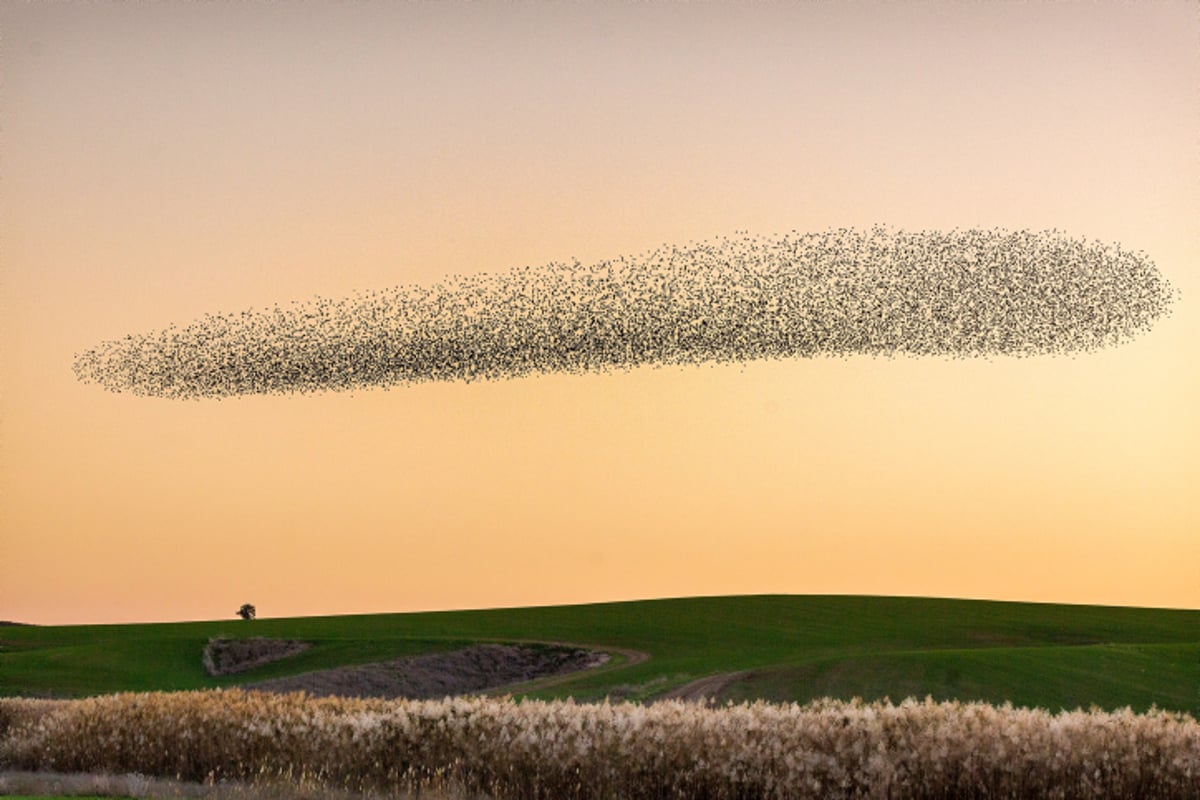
(434, 675)
(231, 656)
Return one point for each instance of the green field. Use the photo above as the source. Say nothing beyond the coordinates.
(787, 647)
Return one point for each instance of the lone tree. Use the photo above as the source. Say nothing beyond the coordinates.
(246, 611)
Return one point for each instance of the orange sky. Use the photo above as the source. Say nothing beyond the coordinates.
(158, 162)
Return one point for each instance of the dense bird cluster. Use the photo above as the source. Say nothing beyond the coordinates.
(840, 292)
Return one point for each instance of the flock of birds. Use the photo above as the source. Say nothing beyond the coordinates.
(962, 293)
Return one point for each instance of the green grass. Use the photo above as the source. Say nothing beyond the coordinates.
(1107, 675)
(794, 647)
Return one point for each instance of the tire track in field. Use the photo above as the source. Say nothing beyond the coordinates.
(704, 689)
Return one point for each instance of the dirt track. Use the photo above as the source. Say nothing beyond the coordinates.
(631, 657)
(708, 688)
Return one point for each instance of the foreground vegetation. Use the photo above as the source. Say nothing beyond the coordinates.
(540, 749)
(785, 648)
(44, 785)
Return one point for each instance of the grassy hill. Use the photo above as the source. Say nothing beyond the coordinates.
(783, 647)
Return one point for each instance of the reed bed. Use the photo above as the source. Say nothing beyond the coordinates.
(560, 749)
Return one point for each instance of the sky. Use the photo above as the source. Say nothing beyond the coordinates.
(159, 162)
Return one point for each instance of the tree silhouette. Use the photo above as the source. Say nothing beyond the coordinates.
(246, 611)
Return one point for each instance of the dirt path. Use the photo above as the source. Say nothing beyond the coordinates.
(632, 657)
(708, 688)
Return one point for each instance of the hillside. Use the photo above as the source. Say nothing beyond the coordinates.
(781, 648)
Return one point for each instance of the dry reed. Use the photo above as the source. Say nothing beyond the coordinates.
(536, 749)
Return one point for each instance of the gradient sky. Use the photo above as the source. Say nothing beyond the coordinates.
(162, 161)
